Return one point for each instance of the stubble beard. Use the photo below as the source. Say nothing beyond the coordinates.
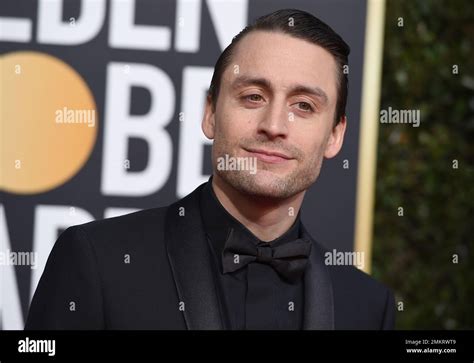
(267, 183)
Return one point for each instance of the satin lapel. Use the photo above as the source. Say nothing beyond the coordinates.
(319, 302)
(190, 262)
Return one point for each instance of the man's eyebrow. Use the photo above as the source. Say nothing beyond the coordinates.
(242, 81)
(314, 91)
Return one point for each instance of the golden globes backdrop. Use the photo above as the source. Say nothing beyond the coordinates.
(101, 103)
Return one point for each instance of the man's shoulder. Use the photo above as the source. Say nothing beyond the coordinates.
(346, 276)
(133, 229)
(125, 223)
(143, 230)
(361, 302)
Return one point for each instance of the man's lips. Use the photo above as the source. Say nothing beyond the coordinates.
(269, 156)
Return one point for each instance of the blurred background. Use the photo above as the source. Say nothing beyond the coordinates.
(415, 254)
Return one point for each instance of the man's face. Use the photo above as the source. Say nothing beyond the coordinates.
(277, 95)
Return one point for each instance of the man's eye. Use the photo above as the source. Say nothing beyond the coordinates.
(254, 98)
(305, 106)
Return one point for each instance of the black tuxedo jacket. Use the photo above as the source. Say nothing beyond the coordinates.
(152, 270)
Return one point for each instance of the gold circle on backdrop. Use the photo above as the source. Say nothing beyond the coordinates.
(48, 122)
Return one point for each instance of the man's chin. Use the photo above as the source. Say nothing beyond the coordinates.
(263, 184)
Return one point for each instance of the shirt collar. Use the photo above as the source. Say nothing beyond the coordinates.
(218, 222)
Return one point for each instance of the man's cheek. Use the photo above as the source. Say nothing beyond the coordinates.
(235, 132)
(312, 154)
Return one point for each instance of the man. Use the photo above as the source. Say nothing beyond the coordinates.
(233, 254)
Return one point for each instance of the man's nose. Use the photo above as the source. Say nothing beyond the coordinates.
(274, 122)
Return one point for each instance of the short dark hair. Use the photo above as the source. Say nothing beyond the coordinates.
(299, 24)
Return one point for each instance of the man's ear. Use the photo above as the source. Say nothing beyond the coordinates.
(208, 121)
(336, 139)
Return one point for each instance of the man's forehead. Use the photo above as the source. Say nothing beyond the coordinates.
(276, 42)
(258, 57)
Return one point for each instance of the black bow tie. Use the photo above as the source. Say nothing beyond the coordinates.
(289, 259)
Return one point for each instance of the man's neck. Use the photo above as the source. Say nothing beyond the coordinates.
(266, 218)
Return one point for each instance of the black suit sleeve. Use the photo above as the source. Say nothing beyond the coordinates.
(388, 322)
(69, 294)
